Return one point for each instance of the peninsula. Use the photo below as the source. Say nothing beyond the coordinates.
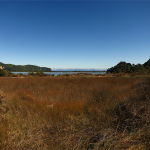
(23, 68)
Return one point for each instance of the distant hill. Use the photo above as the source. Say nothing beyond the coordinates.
(77, 70)
(129, 68)
(21, 68)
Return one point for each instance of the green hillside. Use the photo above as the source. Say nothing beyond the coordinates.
(124, 67)
(22, 68)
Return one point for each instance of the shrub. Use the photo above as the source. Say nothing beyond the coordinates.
(8, 74)
(31, 73)
(2, 72)
(40, 73)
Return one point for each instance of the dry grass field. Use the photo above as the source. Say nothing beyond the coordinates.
(74, 113)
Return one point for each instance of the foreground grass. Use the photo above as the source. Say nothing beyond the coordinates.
(74, 113)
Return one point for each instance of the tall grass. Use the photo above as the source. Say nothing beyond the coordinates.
(74, 113)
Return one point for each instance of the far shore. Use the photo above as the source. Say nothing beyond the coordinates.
(58, 71)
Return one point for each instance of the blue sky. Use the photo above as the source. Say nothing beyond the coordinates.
(74, 34)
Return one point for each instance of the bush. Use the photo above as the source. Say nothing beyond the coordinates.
(31, 73)
(40, 73)
(2, 72)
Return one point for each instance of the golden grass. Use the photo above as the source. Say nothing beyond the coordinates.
(74, 113)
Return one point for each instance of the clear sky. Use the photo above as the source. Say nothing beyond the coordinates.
(74, 34)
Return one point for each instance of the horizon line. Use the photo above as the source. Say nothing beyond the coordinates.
(81, 68)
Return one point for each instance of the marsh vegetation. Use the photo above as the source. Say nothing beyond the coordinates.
(74, 113)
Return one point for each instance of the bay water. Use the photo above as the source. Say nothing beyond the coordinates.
(60, 73)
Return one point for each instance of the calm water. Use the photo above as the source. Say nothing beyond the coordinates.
(59, 73)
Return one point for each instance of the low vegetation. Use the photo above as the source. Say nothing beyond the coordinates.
(2, 72)
(74, 113)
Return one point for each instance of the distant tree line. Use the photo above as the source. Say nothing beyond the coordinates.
(25, 68)
(123, 67)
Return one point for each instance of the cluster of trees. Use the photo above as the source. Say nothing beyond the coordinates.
(124, 67)
(26, 68)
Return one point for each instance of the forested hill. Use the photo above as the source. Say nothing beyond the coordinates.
(129, 68)
(21, 68)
